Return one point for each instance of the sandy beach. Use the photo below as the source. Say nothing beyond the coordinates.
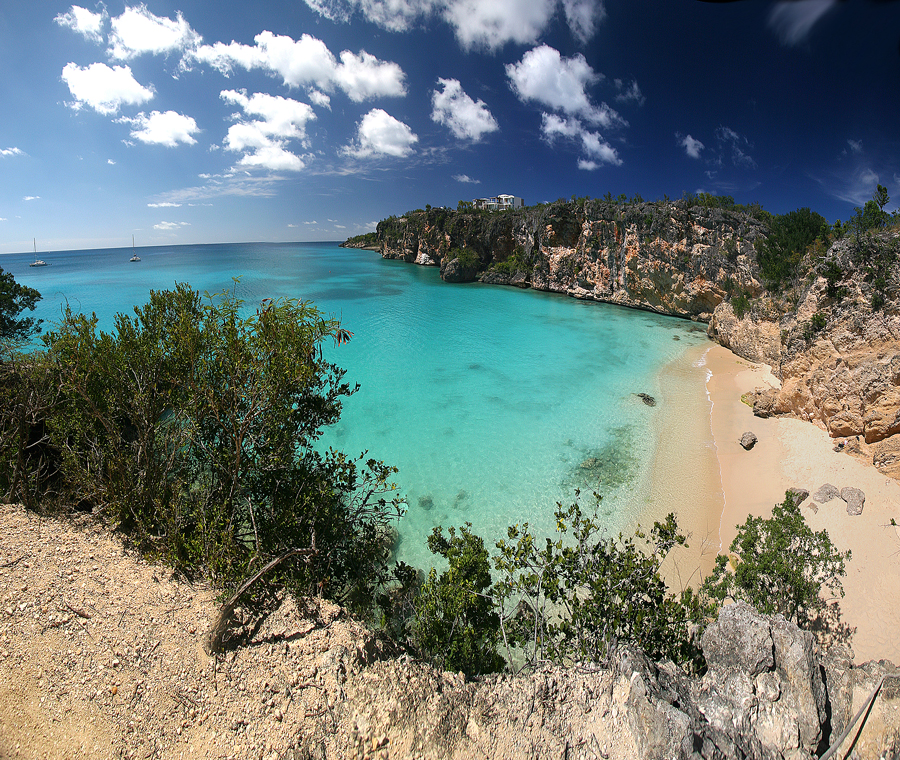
(712, 484)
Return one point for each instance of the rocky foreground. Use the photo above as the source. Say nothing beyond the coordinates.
(101, 657)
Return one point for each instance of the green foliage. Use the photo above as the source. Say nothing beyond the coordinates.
(781, 254)
(818, 321)
(782, 566)
(468, 258)
(14, 299)
(193, 428)
(740, 303)
(366, 239)
(578, 597)
(456, 625)
(515, 263)
(833, 274)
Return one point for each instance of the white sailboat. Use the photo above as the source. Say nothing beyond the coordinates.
(37, 262)
(134, 256)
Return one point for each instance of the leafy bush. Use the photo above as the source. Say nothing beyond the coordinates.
(14, 299)
(580, 596)
(468, 258)
(456, 624)
(515, 263)
(193, 429)
(782, 566)
(740, 303)
(781, 254)
(833, 274)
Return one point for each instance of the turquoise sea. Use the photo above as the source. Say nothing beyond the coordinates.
(495, 403)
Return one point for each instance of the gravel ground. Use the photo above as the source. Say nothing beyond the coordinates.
(101, 657)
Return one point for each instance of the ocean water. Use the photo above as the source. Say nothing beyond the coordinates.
(494, 403)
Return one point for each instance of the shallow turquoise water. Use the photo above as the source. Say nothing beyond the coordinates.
(495, 403)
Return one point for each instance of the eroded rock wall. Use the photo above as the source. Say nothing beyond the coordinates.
(666, 257)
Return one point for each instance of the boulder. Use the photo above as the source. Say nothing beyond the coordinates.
(764, 403)
(826, 493)
(855, 499)
(800, 495)
(764, 687)
(748, 440)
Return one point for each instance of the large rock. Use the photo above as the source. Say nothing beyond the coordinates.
(855, 499)
(826, 493)
(748, 440)
(763, 687)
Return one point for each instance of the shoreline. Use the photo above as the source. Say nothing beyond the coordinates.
(789, 452)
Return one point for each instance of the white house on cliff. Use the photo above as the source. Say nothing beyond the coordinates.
(500, 203)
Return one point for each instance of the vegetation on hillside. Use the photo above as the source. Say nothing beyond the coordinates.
(14, 299)
(579, 597)
(192, 428)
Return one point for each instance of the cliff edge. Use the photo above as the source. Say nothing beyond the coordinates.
(101, 657)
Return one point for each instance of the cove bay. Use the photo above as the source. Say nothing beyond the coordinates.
(495, 403)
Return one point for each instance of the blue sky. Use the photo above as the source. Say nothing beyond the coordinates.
(181, 121)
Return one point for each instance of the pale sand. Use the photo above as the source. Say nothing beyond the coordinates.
(789, 453)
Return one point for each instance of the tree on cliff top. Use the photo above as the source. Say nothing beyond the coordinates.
(782, 566)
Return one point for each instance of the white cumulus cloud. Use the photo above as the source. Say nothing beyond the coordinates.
(547, 78)
(307, 62)
(104, 88)
(168, 226)
(466, 179)
(264, 141)
(163, 205)
(487, 24)
(162, 128)
(11, 152)
(138, 31)
(592, 144)
(83, 21)
(467, 119)
(380, 134)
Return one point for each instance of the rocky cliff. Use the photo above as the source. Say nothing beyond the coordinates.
(832, 336)
(672, 258)
(834, 342)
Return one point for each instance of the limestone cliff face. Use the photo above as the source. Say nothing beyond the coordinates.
(666, 257)
(842, 372)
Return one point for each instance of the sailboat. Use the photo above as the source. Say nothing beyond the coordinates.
(134, 256)
(37, 262)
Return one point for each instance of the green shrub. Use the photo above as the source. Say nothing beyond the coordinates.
(740, 304)
(781, 254)
(833, 274)
(583, 594)
(782, 566)
(14, 299)
(456, 625)
(193, 429)
(468, 258)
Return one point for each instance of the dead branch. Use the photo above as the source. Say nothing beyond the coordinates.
(213, 642)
